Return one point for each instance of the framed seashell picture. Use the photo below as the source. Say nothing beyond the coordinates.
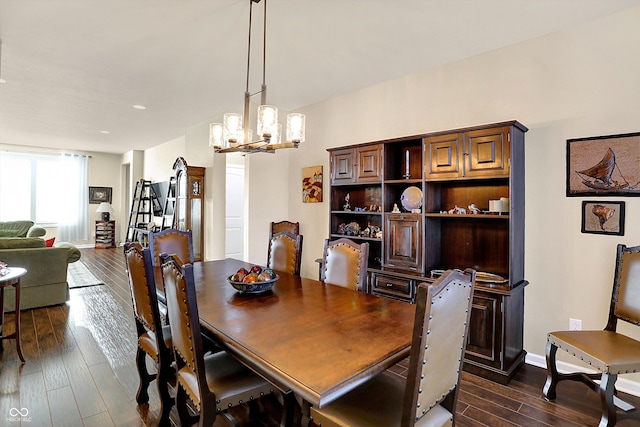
(603, 217)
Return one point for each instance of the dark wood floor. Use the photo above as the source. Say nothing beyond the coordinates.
(80, 369)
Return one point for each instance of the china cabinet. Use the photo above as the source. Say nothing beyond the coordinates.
(460, 176)
(189, 207)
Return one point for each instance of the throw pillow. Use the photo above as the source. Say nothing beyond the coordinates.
(49, 242)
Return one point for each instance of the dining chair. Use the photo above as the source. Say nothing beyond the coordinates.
(171, 241)
(428, 396)
(288, 226)
(285, 252)
(212, 382)
(608, 351)
(154, 339)
(344, 263)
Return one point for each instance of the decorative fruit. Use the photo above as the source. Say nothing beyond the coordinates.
(250, 278)
(243, 271)
(264, 276)
(256, 269)
(238, 277)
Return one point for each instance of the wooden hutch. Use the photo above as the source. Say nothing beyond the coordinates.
(189, 208)
(453, 169)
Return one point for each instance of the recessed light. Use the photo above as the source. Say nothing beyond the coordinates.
(139, 107)
(106, 132)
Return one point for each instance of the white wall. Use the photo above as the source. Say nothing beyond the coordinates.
(578, 83)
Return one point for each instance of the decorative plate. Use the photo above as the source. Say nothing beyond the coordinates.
(255, 287)
(411, 198)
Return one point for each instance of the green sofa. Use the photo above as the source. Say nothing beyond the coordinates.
(46, 280)
(21, 229)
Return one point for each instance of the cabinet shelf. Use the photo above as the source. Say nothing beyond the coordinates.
(404, 181)
(356, 213)
(362, 238)
(468, 216)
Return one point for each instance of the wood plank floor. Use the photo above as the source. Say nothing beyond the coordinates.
(80, 370)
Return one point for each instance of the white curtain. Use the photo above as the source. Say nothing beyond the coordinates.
(73, 219)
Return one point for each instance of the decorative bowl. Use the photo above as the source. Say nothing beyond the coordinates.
(254, 287)
(411, 198)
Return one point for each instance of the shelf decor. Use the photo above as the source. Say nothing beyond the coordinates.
(604, 166)
(603, 217)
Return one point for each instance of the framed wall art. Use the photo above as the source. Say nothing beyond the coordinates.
(312, 184)
(98, 195)
(604, 166)
(600, 217)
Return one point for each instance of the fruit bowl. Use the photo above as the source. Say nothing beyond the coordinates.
(253, 288)
(260, 280)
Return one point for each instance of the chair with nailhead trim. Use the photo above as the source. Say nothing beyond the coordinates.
(154, 338)
(428, 397)
(213, 382)
(608, 351)
(344, 263)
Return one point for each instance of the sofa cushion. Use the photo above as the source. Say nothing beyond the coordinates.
(9, 233)
(22, 227)
(21, 242)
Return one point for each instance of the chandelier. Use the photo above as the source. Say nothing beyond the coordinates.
(233, 134)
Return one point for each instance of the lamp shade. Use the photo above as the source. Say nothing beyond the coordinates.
(106, 209)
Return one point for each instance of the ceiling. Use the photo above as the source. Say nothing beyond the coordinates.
(75, 68)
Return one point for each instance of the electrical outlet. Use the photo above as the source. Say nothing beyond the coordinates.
(575, 324)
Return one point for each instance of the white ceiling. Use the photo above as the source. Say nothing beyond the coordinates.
(76, 67)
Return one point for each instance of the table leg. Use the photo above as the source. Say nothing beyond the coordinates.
(1, 317)
(17, 333)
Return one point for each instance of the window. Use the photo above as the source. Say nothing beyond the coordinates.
(44, 188)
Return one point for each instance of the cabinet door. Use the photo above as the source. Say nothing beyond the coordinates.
(342, 167)
(403, 237)
(485, 329)
(487, 152)
(368, 164)
(443, 156)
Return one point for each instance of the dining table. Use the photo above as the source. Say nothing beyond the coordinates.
(317, 340)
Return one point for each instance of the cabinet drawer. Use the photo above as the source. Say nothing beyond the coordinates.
(392, 286)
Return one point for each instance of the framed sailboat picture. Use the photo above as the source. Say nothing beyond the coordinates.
(604, 166)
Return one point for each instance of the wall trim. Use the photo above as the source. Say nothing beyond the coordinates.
(623, 384)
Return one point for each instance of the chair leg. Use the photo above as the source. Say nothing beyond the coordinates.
(166, 401)
(549, 389)
(181, 405)
(145, 378)
(288, 407)
(606, 392)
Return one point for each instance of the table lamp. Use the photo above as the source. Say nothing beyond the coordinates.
(106, 209)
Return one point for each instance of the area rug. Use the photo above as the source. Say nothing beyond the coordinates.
(79, 276)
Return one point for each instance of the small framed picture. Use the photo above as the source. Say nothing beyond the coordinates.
(98, 195)
(603, 217)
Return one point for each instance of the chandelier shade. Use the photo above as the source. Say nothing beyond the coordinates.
(234, 134)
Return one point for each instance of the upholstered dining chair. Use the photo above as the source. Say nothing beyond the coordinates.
(344, 263)
(608, 351)
(171, 241)
(288, 226)
(428, 397)
(285, 252)
(213, 382)
(154, 339)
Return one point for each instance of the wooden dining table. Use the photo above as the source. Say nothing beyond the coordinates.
(318, 340)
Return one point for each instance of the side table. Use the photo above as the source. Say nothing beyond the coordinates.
(11, 279)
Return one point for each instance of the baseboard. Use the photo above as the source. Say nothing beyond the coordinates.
(624, 385)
